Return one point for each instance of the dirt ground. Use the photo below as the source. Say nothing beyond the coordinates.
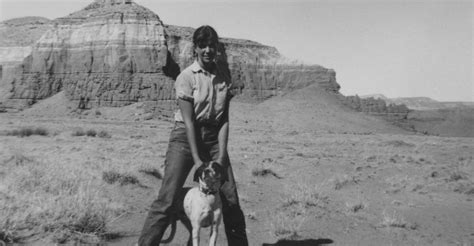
(309, 171)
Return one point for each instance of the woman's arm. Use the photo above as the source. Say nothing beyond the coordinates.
(223, 136)
(187, 111)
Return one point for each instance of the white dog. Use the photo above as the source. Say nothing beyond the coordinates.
(203, 204)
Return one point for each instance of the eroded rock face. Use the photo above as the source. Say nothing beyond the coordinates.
(259, 69)
(116, 52)
(110, 53)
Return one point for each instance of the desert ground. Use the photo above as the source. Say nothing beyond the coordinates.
(309, 172)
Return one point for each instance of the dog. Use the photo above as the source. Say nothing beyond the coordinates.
(202, 205)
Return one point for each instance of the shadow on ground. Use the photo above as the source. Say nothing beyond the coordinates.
(305, 242)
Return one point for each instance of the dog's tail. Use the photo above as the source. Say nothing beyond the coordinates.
(172, 233)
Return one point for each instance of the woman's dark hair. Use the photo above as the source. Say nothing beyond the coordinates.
(205, 35)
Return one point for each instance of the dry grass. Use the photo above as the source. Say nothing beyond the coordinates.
(305, 203)
(286, 225)
(299, 201)
(355, 207)
(64, 202)
(396, 220)
(305, 195)
(341, 182)
(104, 134)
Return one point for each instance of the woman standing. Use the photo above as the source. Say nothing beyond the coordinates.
(200, 134)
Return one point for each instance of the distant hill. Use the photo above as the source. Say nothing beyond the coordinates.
(24, 31)
(420, 103)
(428, 116)
(375, 96)
(313, 109)
(447, 122)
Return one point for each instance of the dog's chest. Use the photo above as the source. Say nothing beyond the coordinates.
(202, 208)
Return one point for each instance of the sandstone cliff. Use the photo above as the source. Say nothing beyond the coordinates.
(261, 69)
(16, 39)
(108, 53)
(116, 52)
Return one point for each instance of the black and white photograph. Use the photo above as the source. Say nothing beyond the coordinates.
(237, 122)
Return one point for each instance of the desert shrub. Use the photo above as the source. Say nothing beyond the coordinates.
(112, 177)
(40, 131)
(303, 195)
(465, 188)
(19, 159)
(341, 182)
(152, 171)
(6, 235)
(27, 131)
(78, 133)
(456, 175)
(396, 220)
(286, 225)
(263, 172)
(355, 207)
(397, 143)
(90, 222)
(91, 133)
(103, 134)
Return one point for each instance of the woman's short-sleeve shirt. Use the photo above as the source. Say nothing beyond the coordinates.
(209, 93)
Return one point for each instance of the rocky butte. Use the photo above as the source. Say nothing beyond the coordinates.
(116, 52)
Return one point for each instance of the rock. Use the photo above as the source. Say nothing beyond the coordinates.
(259, 69)
(376, 106)
(116, 52)
(22, 32)
(16, 37)
(110, 53)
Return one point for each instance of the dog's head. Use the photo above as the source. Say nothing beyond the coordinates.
(209, 175)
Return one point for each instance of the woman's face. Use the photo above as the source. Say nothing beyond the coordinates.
(206, 53)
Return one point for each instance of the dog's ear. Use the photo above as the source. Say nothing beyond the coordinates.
(218, 168)
(198, 172)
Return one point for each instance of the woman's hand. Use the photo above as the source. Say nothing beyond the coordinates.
(219, 161)
(198, 163)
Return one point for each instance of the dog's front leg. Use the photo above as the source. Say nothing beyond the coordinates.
(213, 238)
(196, 229)
(215, 227)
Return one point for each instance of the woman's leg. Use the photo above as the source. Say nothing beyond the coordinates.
(178, 165)
(234, 219)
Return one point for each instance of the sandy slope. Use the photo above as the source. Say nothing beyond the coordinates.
(454, 122)
(339, 176)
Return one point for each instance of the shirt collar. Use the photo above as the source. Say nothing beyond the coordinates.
(196, 68)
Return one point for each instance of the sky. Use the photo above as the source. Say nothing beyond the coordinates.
(398, 48)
